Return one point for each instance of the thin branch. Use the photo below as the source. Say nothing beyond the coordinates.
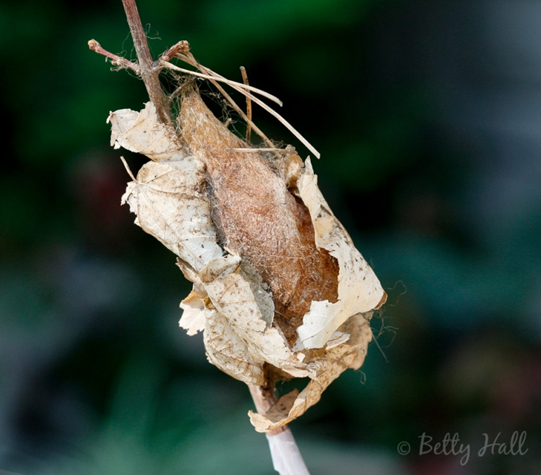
(128, 169)
(115, 60)
(149, 75)
(248, 104)
(286, 456)
(181, 47)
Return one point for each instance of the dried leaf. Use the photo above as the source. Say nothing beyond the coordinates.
(359, 290)
(141, 132)
(169, 204)
(193, 316)
(229, 352)
(327, 369)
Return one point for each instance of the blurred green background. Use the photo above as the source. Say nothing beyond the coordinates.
(428, 118)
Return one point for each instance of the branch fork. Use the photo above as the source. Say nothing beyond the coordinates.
(150, 70)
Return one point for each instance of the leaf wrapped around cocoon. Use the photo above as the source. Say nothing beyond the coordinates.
(279, 289)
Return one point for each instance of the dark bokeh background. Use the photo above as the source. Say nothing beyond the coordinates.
(428, 118)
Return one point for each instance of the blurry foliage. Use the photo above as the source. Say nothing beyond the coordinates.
(96, 377)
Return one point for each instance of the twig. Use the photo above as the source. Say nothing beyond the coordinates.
(149, 74)
(286, 456)
(248, 104)
(115, 60)
(128, 169)
(181, 47)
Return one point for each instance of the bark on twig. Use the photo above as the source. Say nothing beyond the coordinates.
(248, 105)
(149, 74)
(115, 59)
(181, 47)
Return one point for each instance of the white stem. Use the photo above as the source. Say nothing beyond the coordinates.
(286, 456)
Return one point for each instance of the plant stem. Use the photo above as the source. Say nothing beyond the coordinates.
(149, 75)
(286, 456)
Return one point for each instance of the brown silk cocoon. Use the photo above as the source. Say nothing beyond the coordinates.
(258, 217)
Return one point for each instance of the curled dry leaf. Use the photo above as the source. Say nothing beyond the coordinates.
(141, 132)
(279, 289)
(170, 205)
